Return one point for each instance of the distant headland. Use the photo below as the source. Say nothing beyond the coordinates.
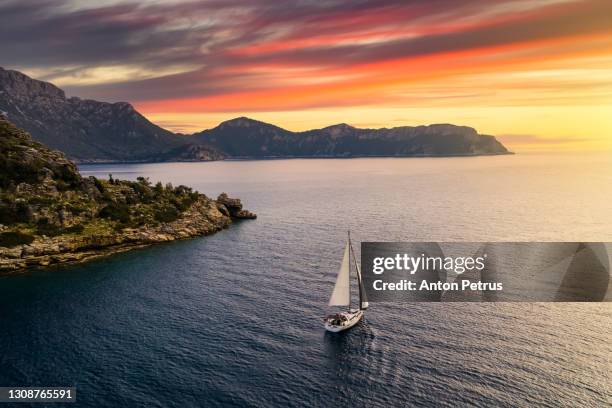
(89, 131)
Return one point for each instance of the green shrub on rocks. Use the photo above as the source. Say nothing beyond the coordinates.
(13, 238)
(116, 212)
(44, 227)
(166, 213)
(7, 214)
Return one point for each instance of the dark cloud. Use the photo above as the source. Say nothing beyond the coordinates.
(48, 34)
(206, 35)
(540, 27)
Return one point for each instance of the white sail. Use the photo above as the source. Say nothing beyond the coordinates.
(341, 296)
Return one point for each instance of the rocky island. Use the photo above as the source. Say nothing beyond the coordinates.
(50, 214)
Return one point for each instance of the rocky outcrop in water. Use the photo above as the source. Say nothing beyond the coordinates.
(50, 214)
(233, 207)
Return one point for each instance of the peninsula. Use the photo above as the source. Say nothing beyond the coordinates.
(50, 214)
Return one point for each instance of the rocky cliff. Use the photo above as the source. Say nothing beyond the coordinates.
(87, 130)
(50, 214)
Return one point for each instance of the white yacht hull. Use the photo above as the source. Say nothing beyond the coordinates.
(343, 321)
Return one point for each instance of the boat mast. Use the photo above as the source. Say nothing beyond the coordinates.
(349, 243)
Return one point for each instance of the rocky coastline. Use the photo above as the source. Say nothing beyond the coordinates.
(51, 215)
(205, 217)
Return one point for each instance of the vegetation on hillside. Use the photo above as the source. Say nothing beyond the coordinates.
(43, 194)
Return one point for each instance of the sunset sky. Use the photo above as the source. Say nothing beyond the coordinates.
(538, 74)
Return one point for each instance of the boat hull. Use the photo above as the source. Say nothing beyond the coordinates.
(343, 321)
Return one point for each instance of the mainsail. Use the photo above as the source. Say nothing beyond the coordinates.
(341, 296)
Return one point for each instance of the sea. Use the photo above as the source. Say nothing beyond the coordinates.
(235, 319)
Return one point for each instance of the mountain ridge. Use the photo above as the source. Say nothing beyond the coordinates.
(243, 137)
(92, 131)
(85, 129)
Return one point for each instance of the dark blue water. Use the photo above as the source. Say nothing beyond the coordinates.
(235, 318)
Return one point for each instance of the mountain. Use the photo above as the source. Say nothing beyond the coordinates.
(49, 213)
(88, 130)
(244, 137)
(92, 131)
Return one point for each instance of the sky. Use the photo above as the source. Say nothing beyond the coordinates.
(535, 73)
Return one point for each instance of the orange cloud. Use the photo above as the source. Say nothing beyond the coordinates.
(385, 82)
(527, 66)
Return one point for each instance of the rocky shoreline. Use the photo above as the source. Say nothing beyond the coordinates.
(205, 217)
(50, 214)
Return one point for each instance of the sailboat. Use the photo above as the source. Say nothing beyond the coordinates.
(341, 296)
